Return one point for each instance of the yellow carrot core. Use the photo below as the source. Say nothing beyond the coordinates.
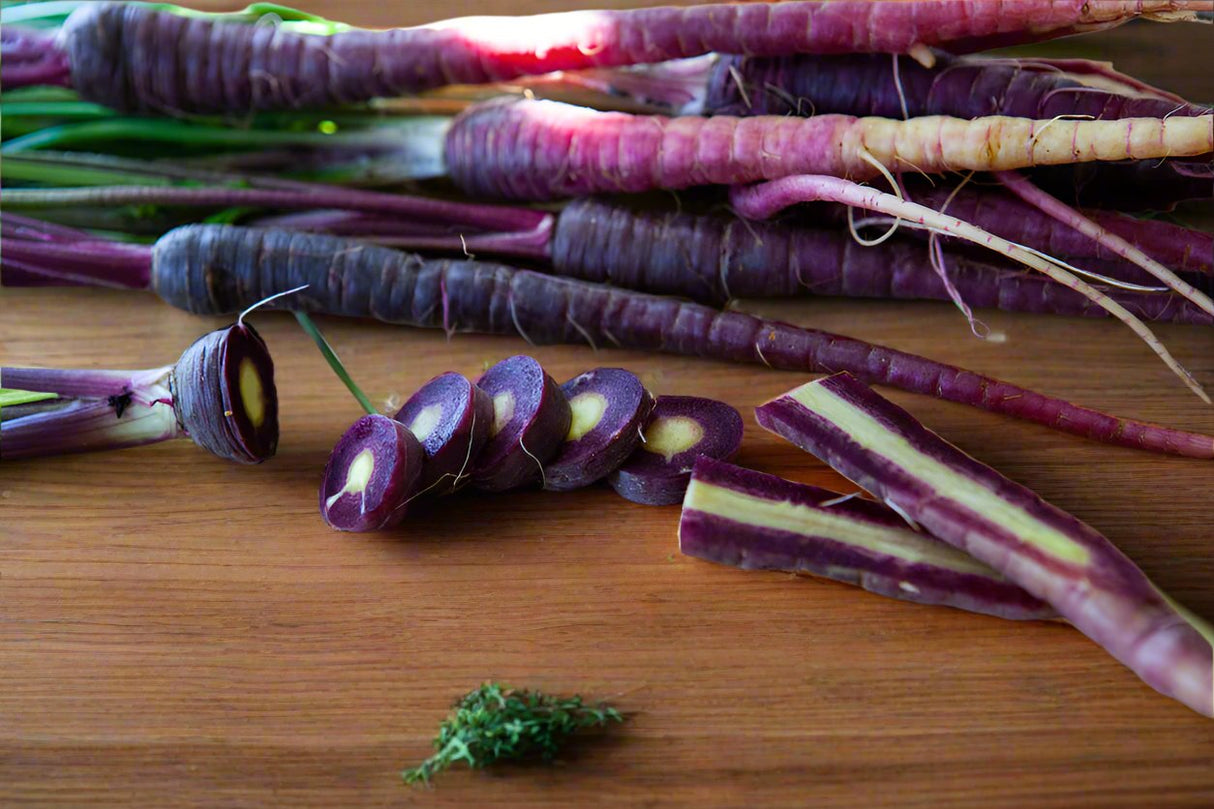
(588, 409)
(426, 421)
(358, 475)
(252, 394)
(670, 435)
(503, 410)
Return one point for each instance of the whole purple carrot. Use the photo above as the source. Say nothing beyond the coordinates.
(138, 59)
(211, 269)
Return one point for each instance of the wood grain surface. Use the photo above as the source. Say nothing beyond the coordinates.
(176, 631)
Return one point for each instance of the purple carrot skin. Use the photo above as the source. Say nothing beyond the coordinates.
(680, 430)
(531, 418)
(609, 407)
(538, 150)
(371, 475)
(220, 394)
(764, 199)
(141, 60)
(31, 58)
(217, 269)
(1174, 245)
(1048, 552)
(714, 259)
(1067, 216)
(755, 521)
(959, 86)
(452, 419)
(1141, 185)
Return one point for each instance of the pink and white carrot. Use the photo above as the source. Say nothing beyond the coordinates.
(1051, 554)
(139, 59)
(755, 521)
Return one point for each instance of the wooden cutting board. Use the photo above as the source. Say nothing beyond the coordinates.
(175, 631)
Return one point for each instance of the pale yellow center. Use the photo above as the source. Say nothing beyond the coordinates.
(252, 394)
(588, 409)
(951, 484)
(503, 410)
(358, 475)
(668, 436)
(793, 518)
(426, 421)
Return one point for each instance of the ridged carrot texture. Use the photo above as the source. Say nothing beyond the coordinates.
(137, 59)
(211, 269)
(538, 150)
(755, 521)
(1051, 554)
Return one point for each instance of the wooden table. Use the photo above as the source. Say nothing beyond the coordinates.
(176, 631)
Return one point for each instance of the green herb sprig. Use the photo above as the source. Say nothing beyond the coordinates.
(497, 723)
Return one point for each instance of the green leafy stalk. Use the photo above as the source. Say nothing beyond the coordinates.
(313, 331)
(12, 398)
(497, 723)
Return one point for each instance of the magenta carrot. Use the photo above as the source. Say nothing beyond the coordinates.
(212, 269)
(1049, 553)
(220, 394)
(179, 64)
(523, 149)
(755, 521)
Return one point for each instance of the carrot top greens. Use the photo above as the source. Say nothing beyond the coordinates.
(498, 723)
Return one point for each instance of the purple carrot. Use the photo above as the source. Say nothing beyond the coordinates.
(531, 418)
(1140, 185)
(680, 430)
(31, 57)
(958, 86)
(764, 199)
(212, 269)
(713, 259)
(1179, 247)
(452, 418)
(220, 394)
(142, 60)
(371, 475)
(1048, 552)
(748, 519)
(610, 407)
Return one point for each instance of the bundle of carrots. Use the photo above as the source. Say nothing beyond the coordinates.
(991, 181)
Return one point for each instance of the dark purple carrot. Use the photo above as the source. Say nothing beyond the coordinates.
(142, 60)
(452, 418)
(609, 407)
(530, 420)
(762, 200)
(1048, 552)
(754, 521)
(1139, 185)
(680, 430)
(1179, 247)
(220, 394)
(371, 475)
(959, 86)
(714, 259)
(213, 269)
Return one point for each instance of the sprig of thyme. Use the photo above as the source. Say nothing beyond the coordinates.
(497, 723)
